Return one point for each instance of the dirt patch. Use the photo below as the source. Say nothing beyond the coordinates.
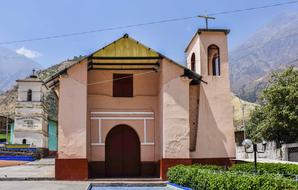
(4, 163)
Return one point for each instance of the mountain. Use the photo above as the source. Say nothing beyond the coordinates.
(241, 112)
(14, 66)
(272, 48)
(8, 99)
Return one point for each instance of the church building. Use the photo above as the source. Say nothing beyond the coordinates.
(129, 111)
(31, 119)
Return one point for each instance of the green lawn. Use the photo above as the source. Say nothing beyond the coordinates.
(3, 136)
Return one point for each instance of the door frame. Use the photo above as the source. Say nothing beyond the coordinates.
(138, 145)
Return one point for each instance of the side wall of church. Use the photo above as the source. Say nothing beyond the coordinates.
(175, 111)
(72, 114)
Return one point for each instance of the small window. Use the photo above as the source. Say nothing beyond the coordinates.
(29, 95)
(29, 123)
(123, 85)
(24, 141)
(213, 60)
(193, 62)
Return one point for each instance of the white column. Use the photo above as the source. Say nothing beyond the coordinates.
(99, 130)
(145, 131)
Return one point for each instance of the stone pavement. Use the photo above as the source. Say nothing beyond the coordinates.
(264, 160)
(46, 185)
(66, 185)
(40, 175)
(40, 169)
(131, 188)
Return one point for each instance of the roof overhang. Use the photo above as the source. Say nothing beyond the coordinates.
(195, 77)
(201, 30)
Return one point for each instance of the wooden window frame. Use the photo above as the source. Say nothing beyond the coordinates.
(193, 62)
(122, 85)
(214, 62)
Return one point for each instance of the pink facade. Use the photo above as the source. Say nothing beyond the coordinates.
(176, 117)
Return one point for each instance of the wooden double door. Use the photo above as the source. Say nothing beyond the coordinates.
(122, 152)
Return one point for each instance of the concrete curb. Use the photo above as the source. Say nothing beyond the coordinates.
(177, 187)
(27, 179)
(126, 184)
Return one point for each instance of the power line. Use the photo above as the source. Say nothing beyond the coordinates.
(97, 30)
(111, 80)
(146, 23)
(253, 8)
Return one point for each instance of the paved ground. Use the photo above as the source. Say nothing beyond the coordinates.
(13, 177)
(44, 168)
(65, 185)
(46, 185)
(263, 160)
(131, 188)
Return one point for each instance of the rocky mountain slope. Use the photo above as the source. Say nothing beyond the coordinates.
(272, 48)
(8, 99)
(14, 66)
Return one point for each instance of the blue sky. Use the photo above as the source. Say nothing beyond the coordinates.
(32, 18)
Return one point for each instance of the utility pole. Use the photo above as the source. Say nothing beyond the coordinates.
(207, 18)
(7, 129)
(243, 120)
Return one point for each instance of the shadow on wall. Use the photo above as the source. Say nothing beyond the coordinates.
(211, 140)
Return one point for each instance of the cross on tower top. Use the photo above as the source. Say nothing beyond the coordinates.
(33, 74)
(206, 17)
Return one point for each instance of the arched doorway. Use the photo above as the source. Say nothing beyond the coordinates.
(122, 152)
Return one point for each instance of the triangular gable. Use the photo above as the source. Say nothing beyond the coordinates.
(124, 54)
(125, 47)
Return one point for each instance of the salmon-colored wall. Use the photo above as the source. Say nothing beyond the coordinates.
(72, 114)
(194, 94)
(163, 92)
(215, 130)
(175, 111)
(145, 99)
(194, 47)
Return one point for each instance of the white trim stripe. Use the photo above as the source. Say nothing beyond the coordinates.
(115, 117)
(124, 113)
(123, 118)
(142, 144)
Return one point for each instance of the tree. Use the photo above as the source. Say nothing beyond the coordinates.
(276, 119)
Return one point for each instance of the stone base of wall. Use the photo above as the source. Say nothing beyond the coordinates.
(165, 164)
(81, 169)
(147, 169)
(71, 169)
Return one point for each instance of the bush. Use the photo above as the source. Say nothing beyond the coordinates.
(208, 167)
(267, 168)
(205, 179)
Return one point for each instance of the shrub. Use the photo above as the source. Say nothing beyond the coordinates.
(206, 179)
(208, 167)
(267, 168)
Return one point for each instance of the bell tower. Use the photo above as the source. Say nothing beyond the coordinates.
(207, 55)
(31, 123)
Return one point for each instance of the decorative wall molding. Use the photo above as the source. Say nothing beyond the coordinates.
(118, 115)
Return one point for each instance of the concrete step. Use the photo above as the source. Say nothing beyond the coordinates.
(128, 182)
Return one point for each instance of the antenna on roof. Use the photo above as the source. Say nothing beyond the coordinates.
(206, 17)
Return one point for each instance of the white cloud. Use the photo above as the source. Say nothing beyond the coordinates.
(28, 53)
